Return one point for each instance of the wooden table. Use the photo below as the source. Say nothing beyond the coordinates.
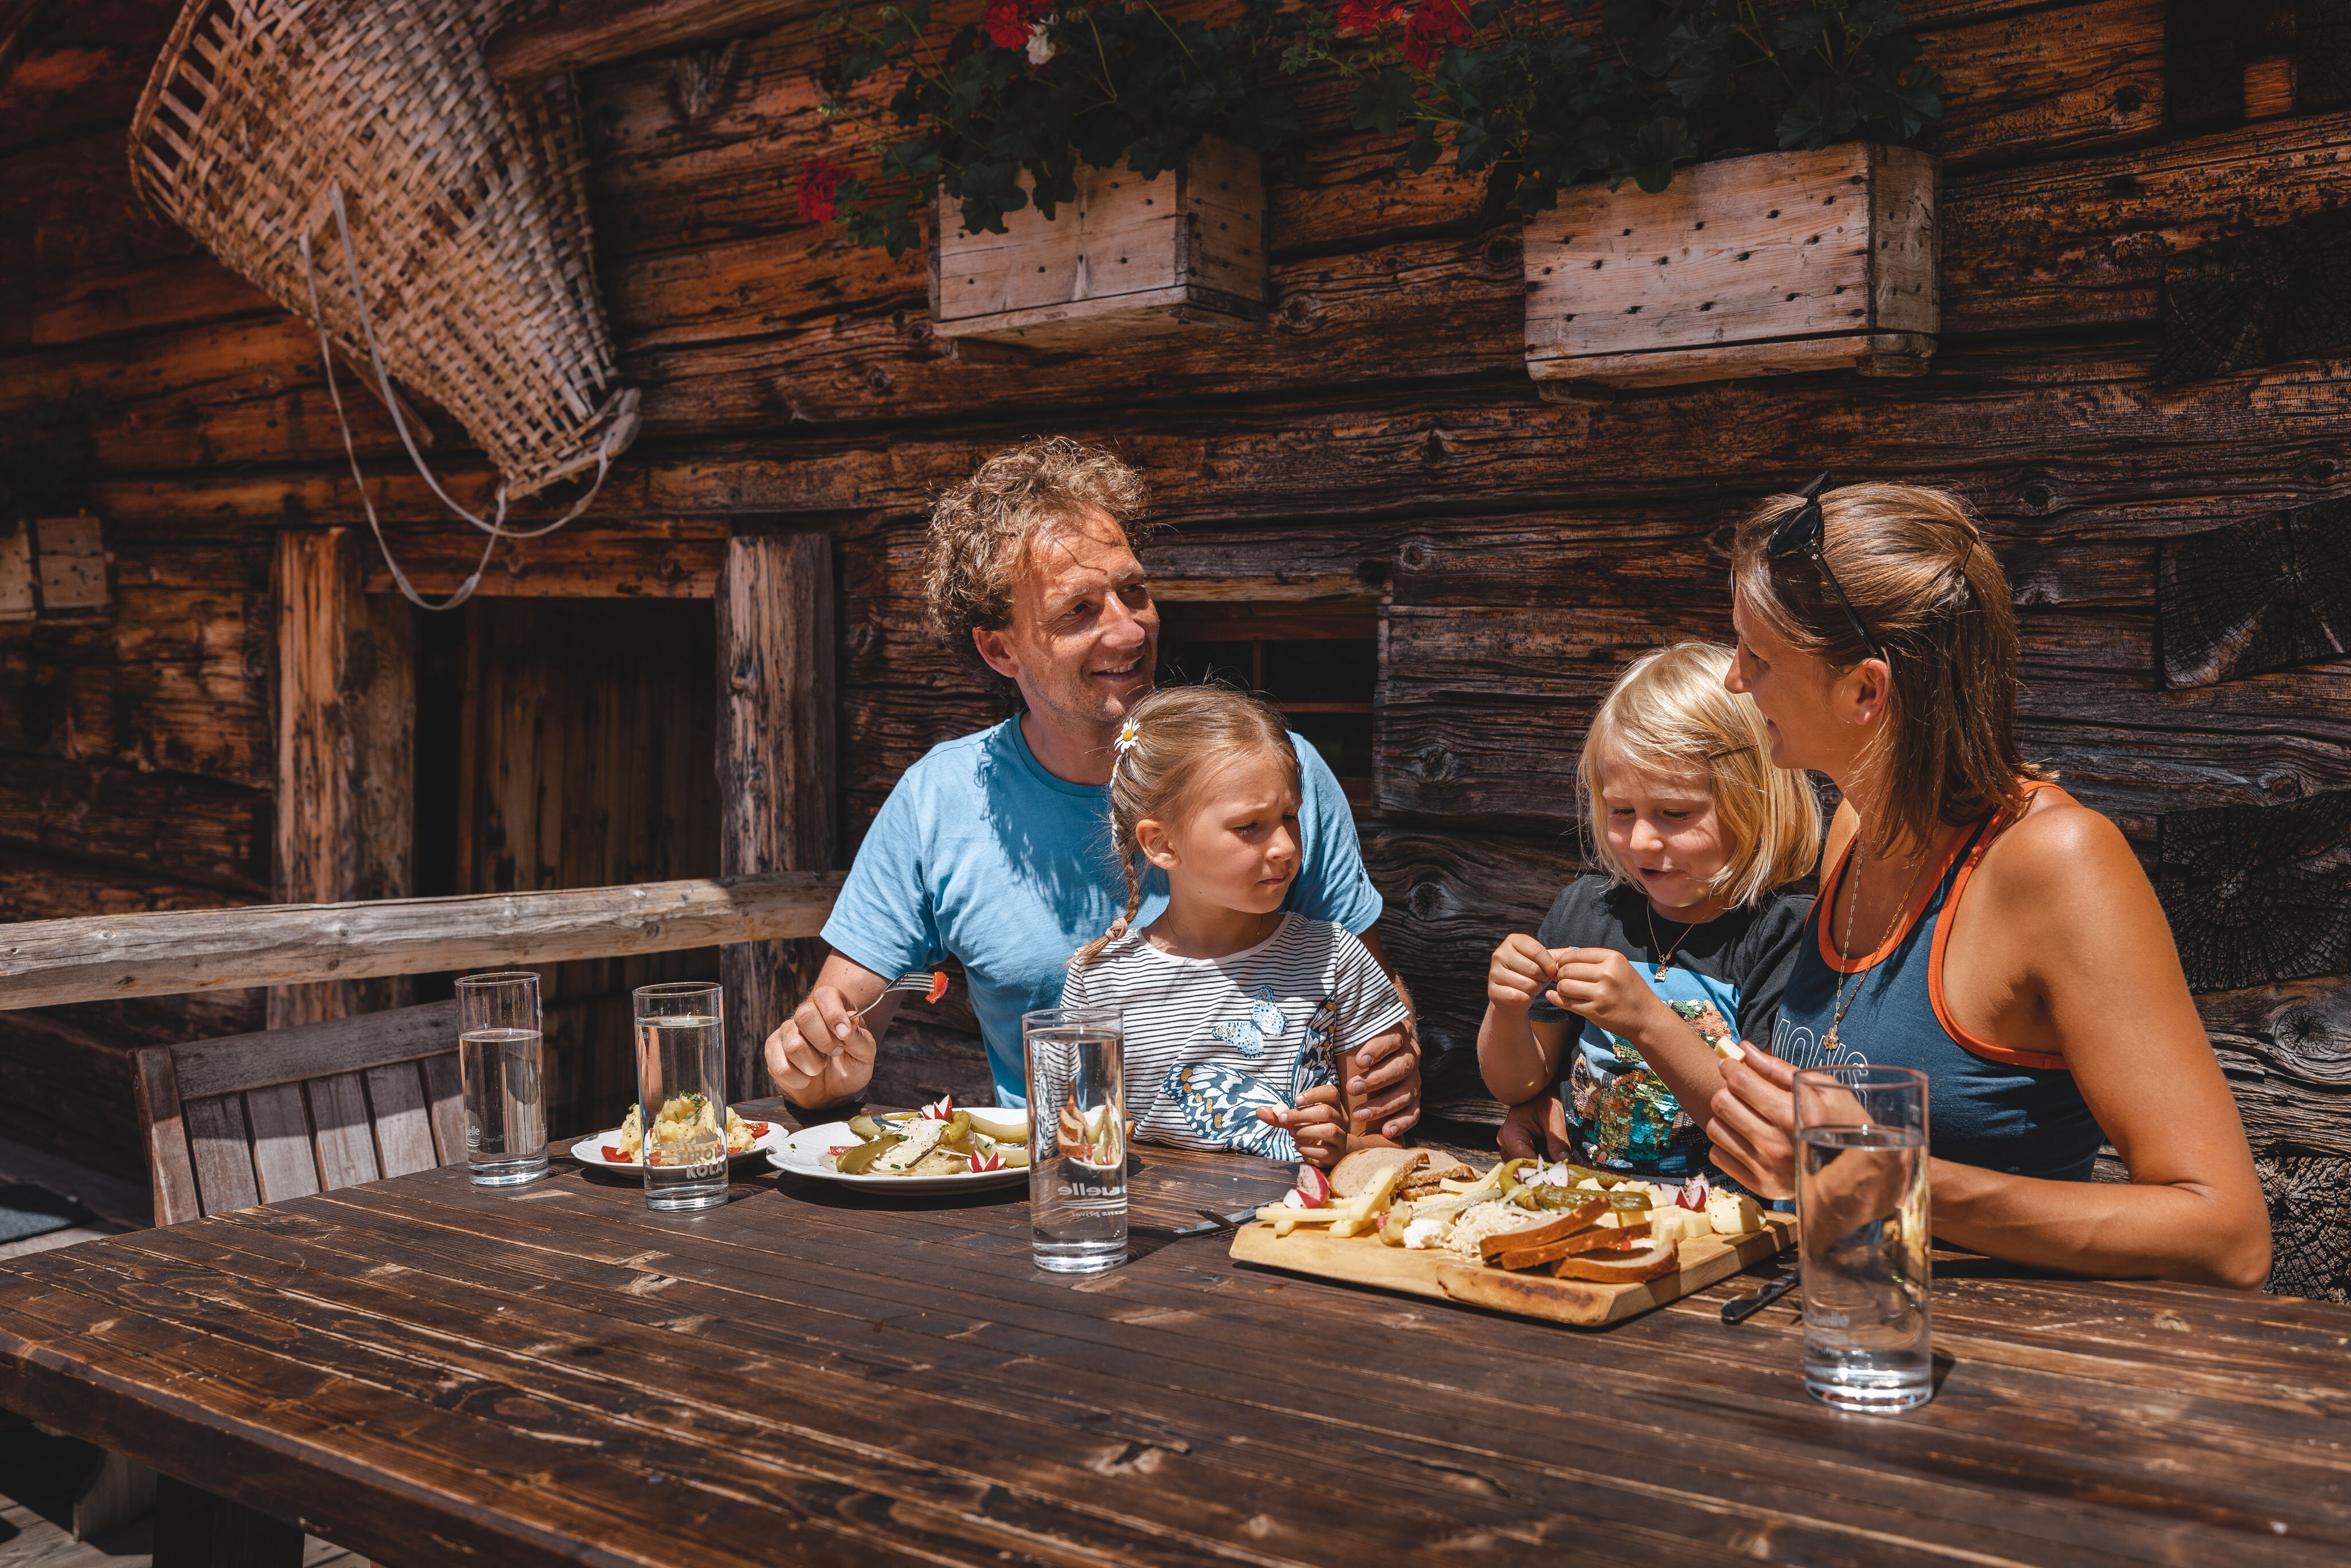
(436, 1375)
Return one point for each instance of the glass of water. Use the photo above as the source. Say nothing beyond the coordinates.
(682, 1094)
(1077, 1137)
(1861, 1187)
(498, 1053)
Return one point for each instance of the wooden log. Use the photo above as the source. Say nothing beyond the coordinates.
(777, 776)
(584, 33)
(47, 962)
(346, 752)
(2264, 594)
(2278, 293)
(2259, 894)
(176, 826)
(663, 558)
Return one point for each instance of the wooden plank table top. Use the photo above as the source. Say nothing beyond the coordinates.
(426, 1372)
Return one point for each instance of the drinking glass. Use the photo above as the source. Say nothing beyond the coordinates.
(1860, 1188)
(682, 1094)
(1076, 1060)
(498, 1053)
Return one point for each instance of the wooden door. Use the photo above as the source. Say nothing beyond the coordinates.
(586, 746)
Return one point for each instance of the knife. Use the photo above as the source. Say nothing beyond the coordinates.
(1739, 1309)
(1214, 1222)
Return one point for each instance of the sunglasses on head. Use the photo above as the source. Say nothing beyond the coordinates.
(1800, 534)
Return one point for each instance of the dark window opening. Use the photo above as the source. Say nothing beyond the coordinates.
(1317, 664)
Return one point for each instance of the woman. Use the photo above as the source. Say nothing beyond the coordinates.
(1975, 921)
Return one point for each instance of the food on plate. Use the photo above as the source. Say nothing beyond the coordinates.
(938, 1140)
(685, 1120)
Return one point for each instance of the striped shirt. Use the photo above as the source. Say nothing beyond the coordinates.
(1209, 1040)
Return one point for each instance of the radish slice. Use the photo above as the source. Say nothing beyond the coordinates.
(944, 1111)
(1313, 1187)
(1694, 1193)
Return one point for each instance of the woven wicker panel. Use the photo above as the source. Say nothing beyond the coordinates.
(468, 200)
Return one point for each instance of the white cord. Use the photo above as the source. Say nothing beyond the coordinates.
(495, 527)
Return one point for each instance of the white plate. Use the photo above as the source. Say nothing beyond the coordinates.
(802, 1153)
(589, 1151)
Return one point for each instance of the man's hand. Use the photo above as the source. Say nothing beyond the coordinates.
(1385, 1087)
(1753, 1129)
(822, 1054)
(1535, 1129)
(1317, 1123)
(1522, 970)
(1599, 984)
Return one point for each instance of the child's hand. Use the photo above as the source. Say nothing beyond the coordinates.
(1318, 1124)
(1535, 1129)
(1522, 970)
(1599, 984)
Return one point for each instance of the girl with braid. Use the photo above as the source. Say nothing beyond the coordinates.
(1233, 1006)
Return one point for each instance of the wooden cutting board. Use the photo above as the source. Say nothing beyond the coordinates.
(1366, 1260)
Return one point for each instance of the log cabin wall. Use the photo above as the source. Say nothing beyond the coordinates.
(2115, 388)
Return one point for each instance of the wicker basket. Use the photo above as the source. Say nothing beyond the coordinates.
(467, 204)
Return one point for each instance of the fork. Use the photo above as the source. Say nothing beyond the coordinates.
(933, 981)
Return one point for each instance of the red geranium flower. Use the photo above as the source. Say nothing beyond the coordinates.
(1369, 15)
(820, 180)
(1008, 23)
(1437, 25)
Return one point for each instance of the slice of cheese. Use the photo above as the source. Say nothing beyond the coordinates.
(920, 1138)
(1733, 1214)
(1678, 1225)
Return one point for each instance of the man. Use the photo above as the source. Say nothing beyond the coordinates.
(993, 846)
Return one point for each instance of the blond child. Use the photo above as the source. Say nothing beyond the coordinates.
(1234, 1008)
(1685, 937)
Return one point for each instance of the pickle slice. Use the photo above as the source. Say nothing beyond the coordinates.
(860, 1160)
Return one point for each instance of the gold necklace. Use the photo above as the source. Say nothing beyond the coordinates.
(1658, 973)
(1845, 948)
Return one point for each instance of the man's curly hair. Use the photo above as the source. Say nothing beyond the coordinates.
(980, 528)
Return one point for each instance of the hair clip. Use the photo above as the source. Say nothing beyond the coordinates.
(1718, 755)
(1128, 734)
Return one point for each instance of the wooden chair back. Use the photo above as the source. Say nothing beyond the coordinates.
(260, 1118)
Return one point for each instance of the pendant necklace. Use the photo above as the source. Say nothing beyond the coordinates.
(1658, 973)
(1845, 948)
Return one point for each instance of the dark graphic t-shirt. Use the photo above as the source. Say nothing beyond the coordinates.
(1725, 976)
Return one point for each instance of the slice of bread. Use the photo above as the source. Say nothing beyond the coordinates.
(1649, 1261)
(1576, 1219)
(1358, 1173)
(1595, 1239)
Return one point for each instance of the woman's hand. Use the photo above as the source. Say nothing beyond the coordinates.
(1534, 1130)
(1318, 1124)
(1599, 984)
(1522, 970)
(1753, 1128)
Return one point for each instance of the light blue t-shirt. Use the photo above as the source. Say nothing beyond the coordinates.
(981, 853)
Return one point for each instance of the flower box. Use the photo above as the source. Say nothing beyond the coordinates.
(1769, 264)
(1128, 256)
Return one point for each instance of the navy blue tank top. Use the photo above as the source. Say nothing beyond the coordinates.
(1987, 1104)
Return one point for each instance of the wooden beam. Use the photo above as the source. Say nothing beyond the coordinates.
(346, 750)
(777, 780)
(600, 32)
(45, 963)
